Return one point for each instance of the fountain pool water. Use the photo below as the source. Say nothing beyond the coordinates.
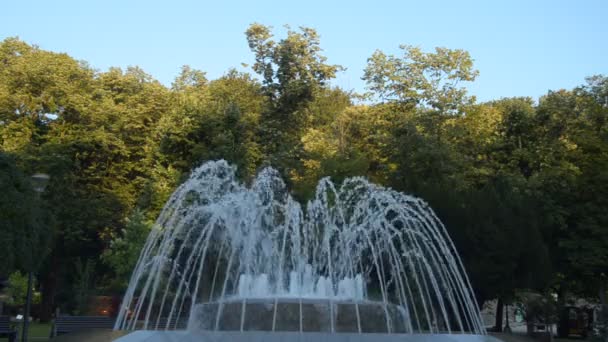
(226, 259)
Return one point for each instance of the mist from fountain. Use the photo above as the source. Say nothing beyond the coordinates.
(218, 242)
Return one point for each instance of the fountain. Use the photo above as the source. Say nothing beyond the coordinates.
(230, 262)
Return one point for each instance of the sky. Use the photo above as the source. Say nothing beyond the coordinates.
(521, 48)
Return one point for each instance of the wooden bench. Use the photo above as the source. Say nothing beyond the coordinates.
(66, 324)
(6, 330)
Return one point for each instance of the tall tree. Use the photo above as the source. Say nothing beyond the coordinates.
(430, 80)
(26, 228)
(581, 122)
(293, 72)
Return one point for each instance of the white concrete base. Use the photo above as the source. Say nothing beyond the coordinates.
(264, 336)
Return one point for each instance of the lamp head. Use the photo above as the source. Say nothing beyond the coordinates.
(40, 181)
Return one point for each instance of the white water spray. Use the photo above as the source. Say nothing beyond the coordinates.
(220, 242)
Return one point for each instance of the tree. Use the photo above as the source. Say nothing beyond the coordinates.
(218, 120)
(294, 73)
(585, 128)
(518, 183)
(26, 232)
(92, 131)
(124, 250)
(293, 68)
(331, 147)
(17, 290)
(496, 233)
(416, 78)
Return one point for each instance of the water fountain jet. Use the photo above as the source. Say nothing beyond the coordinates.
(225, 259)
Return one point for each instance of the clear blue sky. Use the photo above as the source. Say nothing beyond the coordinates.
(521, 48)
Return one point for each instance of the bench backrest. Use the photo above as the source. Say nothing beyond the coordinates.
(66, 324)
(5, 324)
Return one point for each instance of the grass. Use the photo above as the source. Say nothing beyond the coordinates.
(37, 332)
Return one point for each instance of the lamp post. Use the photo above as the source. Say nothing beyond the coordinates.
(39, 183)
(507, 328)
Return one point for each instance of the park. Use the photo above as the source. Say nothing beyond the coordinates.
(276, 201)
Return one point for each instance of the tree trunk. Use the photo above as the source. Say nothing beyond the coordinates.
(603, 313)
(563, 319)
(603, 295)
(49, 286)
(499, 310)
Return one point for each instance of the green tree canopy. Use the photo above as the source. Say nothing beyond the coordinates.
(429, 80)
(26, 229)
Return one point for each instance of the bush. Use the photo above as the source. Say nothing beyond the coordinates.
(538, 308)
(17, 290)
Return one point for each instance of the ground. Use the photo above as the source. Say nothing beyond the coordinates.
(40, 333)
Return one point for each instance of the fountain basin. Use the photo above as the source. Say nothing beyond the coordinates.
(299, 315)
(259, 336)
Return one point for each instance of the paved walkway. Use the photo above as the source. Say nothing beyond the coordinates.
(513, 337)
(106, 336)
(90, 336)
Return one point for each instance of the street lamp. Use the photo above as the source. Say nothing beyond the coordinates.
(507, 328)
(39, 183)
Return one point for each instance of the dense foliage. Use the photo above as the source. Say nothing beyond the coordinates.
(520, 184)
